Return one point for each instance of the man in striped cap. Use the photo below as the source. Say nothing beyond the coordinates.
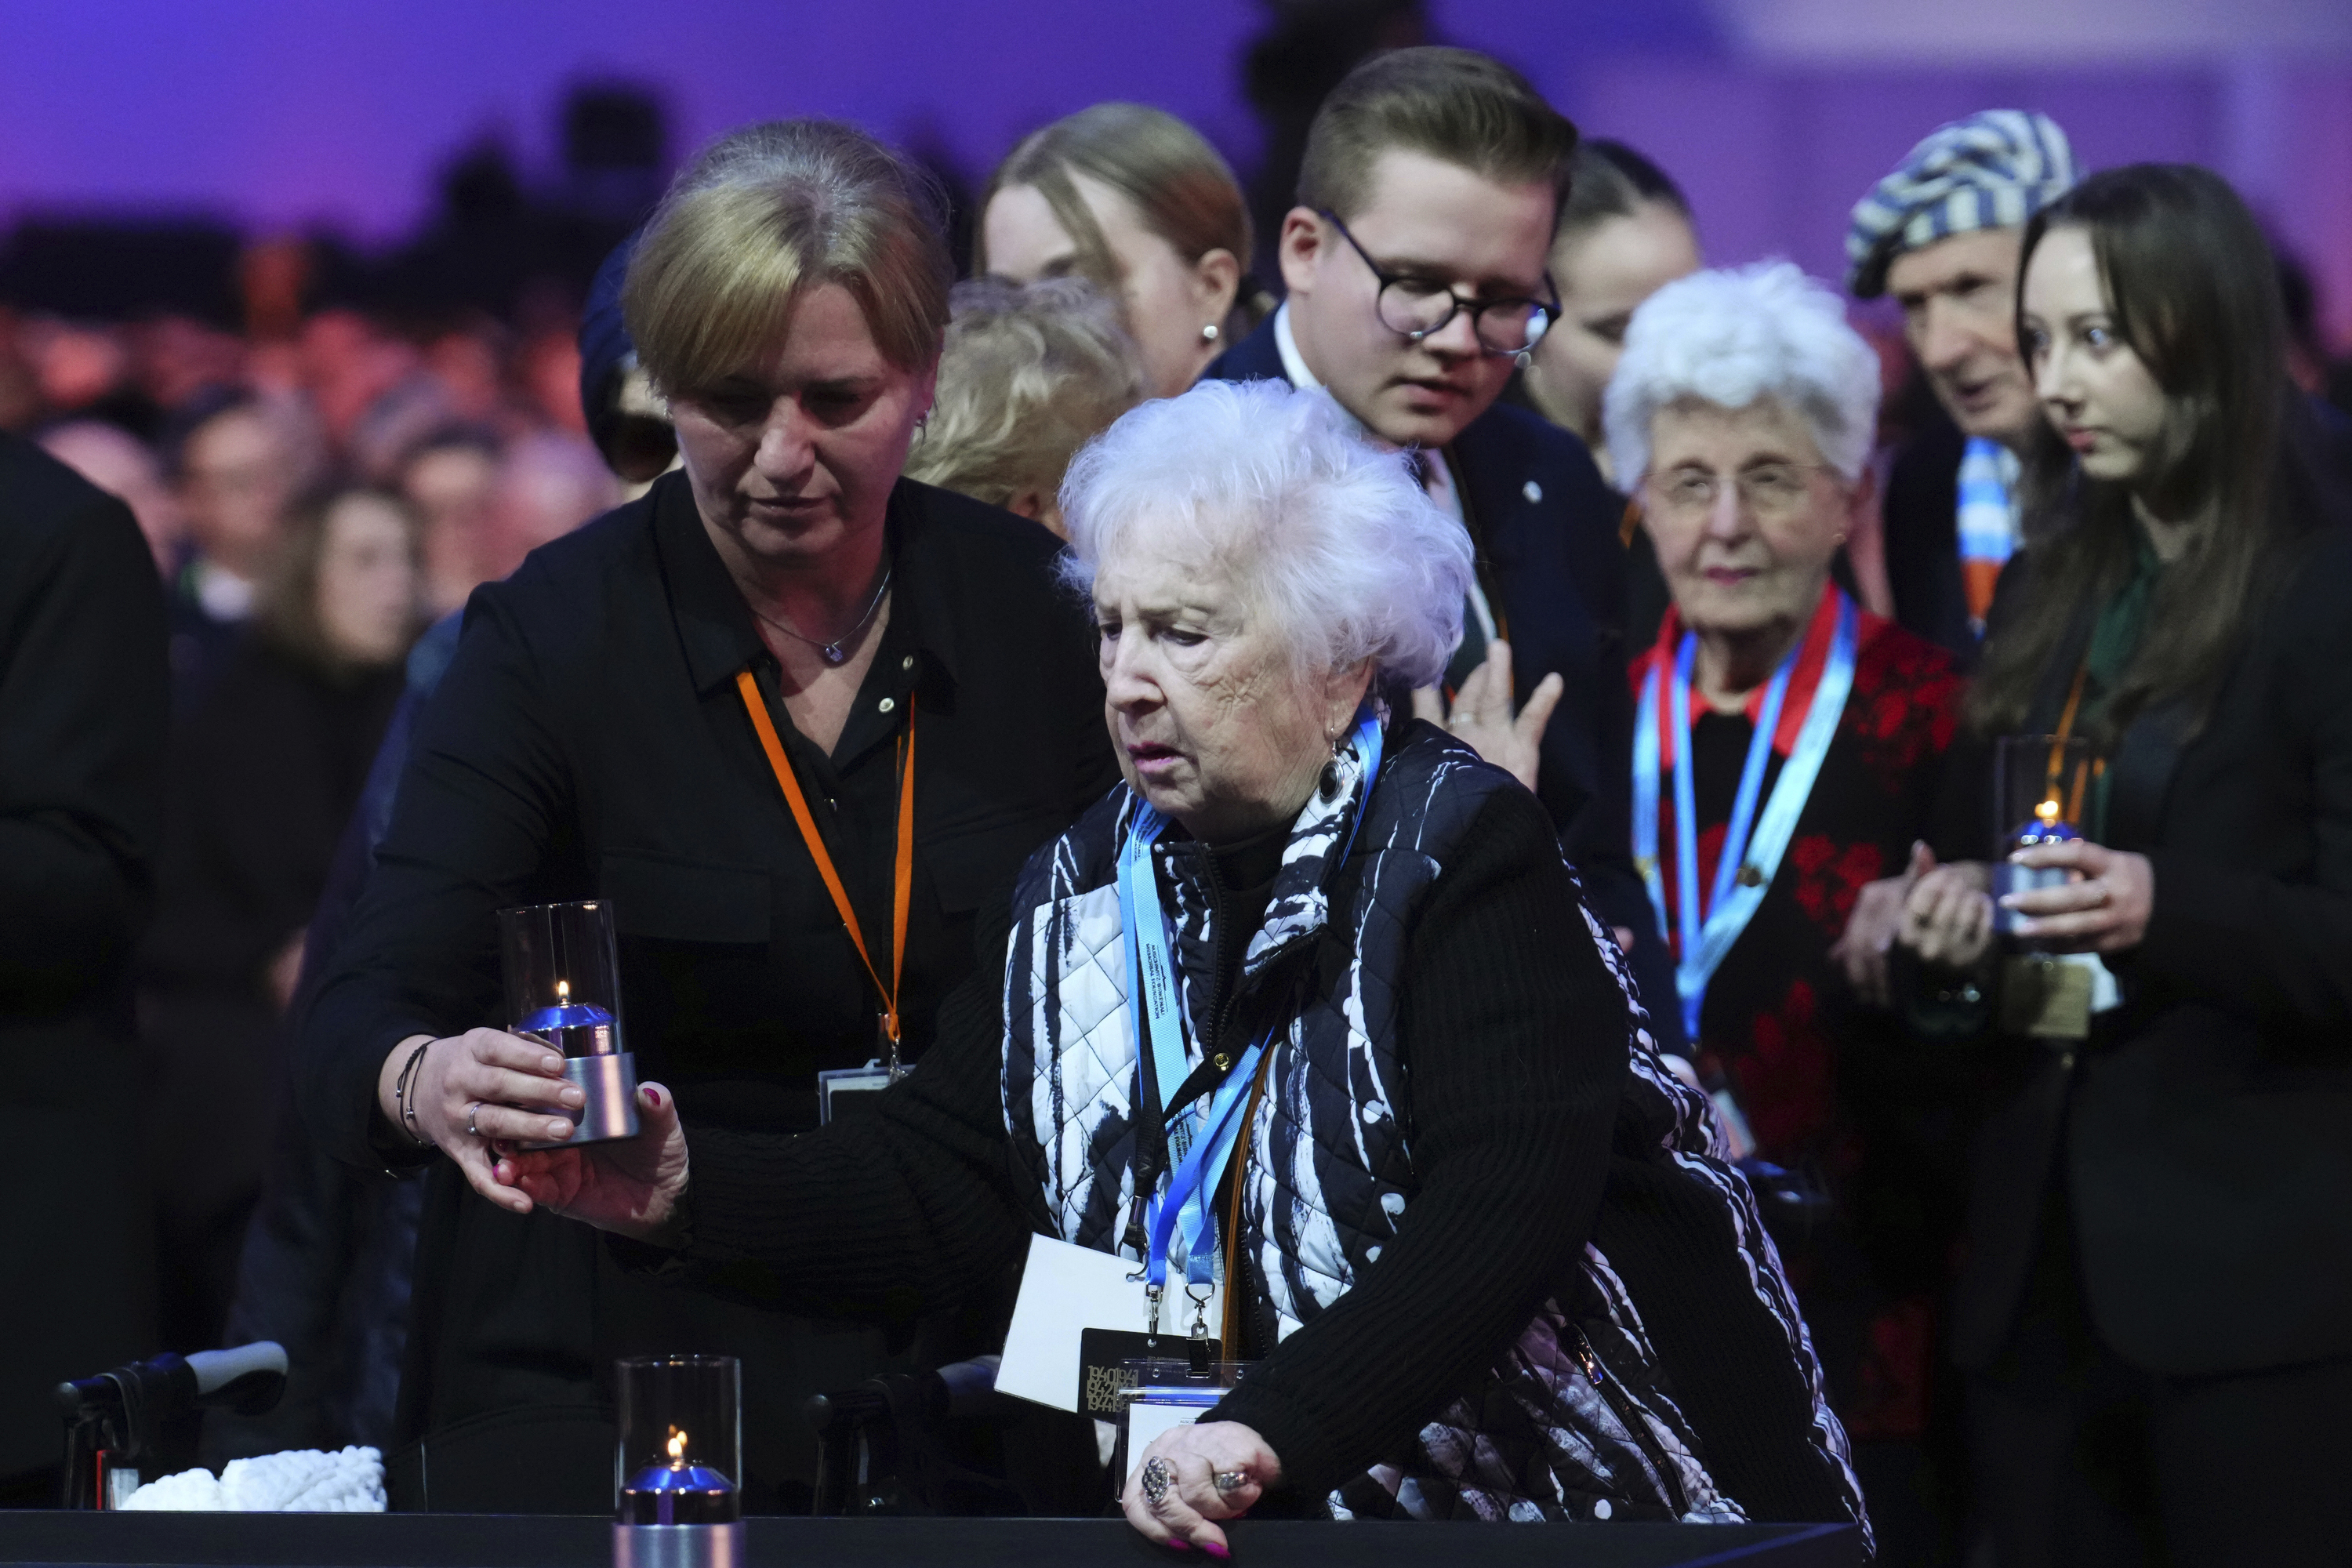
(1941, 234)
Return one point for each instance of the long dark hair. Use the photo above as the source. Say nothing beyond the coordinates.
(2194, 292)
(287, 616)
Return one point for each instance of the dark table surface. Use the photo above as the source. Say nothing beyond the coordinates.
(512, 1540)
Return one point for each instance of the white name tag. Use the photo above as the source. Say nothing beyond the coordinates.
(834, 1088)
(1147, 1421)
(1065, 1291)
(2105, 995)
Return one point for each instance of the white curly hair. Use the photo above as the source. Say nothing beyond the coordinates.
(1332, 536)
(1733, 336)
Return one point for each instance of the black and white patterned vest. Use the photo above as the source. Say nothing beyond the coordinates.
(1572, 1420)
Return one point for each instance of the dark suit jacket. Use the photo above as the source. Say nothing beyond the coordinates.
(1546, 525)
(2208, 1167)
(83, 721)
(1923, 536)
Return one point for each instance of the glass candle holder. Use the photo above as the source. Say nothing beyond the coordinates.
(2041, 784)
(678, 1466)
(564, 986)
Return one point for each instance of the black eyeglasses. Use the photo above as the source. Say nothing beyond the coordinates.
(1413, 308)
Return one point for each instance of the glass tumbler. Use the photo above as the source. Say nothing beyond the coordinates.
(564, 986)
(678, 1465)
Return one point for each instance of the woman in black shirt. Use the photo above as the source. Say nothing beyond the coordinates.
(597, 737)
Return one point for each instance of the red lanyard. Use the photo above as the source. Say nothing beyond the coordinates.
(903, 878)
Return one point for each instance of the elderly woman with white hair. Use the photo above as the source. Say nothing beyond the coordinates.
(1358, 1130)
(1790, 753)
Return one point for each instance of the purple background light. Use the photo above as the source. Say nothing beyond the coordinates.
(1775, 114)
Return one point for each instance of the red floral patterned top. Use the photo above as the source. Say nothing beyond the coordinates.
(1830, 1087)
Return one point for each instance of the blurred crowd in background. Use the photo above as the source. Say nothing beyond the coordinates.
(326, 454)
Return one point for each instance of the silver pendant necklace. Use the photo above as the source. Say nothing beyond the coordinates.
(832, 652)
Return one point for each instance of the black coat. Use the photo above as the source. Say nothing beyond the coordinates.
(588, 741)
(1548, 526)
(2207, 1170)
(264, 774)
(83, 717)
(1922, 520)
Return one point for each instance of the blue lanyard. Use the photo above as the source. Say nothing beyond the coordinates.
(1750, 843)
(1204, 1143)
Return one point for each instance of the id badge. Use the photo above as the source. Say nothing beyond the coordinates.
(846, 1082)
(1152, 1412)
(2045, 999)
(1067, 1291)
(1105, 1358)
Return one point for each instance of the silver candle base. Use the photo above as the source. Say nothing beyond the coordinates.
(610, 1083)
(2008, 878)
(679, 1545)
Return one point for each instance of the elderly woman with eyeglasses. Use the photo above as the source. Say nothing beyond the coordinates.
(1789, 753)
(1464, 1224)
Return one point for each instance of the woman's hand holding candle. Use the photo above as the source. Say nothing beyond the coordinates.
(472, 1089)
(2103, 909)
(629, 1186)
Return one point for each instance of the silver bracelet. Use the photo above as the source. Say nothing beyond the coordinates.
(403, 1089)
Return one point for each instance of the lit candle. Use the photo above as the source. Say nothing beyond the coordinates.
(566, 1015)
(2049, 825)
(660, 1494)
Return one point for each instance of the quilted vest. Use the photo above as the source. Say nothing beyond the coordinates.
(1572, 1419)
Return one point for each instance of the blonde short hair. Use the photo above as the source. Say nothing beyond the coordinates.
(769, 210)
(1184, 192)
(1029, 375)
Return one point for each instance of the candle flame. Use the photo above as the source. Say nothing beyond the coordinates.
(2047, 811)
(563, 994)
(677, 1446)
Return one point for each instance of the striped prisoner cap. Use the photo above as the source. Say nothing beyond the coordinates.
(1992, 170)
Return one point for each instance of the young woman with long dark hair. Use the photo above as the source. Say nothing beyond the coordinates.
(2157, 1304)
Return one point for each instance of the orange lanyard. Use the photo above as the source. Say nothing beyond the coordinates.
(2073, 810)
(902, 880)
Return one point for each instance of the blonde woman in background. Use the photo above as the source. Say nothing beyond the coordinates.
(1133, 200)
(1030, 374)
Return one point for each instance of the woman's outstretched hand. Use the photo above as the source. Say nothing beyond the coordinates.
(631, 1186)
(1191, 1477)
(1483, 719)
(468, 1091)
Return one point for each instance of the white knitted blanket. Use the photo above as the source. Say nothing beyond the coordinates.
(302, 1481)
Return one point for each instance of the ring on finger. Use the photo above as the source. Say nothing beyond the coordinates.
(1230, 1481)
(1156, 1476)
(471, 1111)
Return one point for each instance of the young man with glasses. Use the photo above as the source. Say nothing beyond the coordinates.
(1415, 262)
